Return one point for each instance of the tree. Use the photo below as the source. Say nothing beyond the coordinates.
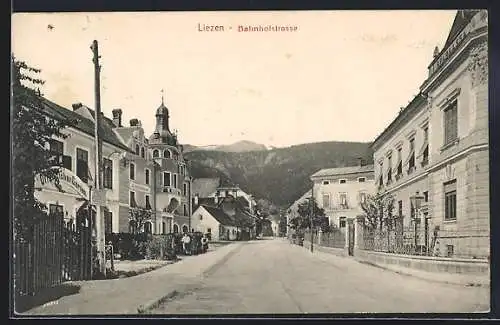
(303, 220)
(138, 217)
(32, 131)
(379, 210)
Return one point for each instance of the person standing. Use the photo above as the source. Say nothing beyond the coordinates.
(204, 243)
(186, 240)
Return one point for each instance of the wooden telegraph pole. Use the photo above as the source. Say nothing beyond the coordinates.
(98, 160)
(312, 218)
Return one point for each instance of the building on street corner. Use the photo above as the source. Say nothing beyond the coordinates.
(340, 191)
(436, 148)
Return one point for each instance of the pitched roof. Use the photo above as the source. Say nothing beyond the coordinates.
(82, 123)
(220, 216)
(301, 199)
(462, 18)
(205, 186)
(343, 171)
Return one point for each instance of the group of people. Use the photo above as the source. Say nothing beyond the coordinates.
(186, 244)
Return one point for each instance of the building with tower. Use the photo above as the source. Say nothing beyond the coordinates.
(155, 176)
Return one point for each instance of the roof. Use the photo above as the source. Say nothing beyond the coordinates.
(343, 171)
(462, 18)
(220, 216)
(205, 186)
(82, 123)
(162, 110)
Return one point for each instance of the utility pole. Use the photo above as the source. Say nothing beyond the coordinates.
(101, 254)
(312, 218)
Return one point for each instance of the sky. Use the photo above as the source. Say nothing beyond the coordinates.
(341, 76)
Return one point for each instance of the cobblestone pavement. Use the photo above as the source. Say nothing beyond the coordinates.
(273, 276)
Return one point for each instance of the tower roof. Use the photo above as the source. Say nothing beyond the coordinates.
(162, 109)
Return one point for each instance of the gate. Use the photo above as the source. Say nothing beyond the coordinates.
(350, 235)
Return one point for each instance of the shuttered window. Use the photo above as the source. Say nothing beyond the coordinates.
(108, 173)
(450, 123)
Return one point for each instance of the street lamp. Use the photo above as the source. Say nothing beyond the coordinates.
(416, 202)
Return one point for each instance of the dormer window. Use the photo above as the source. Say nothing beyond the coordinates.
(156, 153)
(342, 181)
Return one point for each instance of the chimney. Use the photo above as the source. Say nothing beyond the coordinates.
(196, 199)
(216, 198)
(135, 122)
(117, 117)
(76, 106)
(436, 52)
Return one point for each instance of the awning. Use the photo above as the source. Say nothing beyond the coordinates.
(424, 146)
(412, 153)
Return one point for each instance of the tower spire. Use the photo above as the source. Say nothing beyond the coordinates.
(162, 97)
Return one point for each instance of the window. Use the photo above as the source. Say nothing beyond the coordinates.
(411, 159)
(326, 201)
(132, 171)
(201, 217)
(381, 174)
(132, 202)
(175, 180)
(343, 200)
(361, 179)
(164, 227)
(342, 222)
(143, 153)
(449, 250)
(56, 210)
(450, 123)
(108, 173)
(176, 228)
(185, 210)
(389, 170)
(137, 149)
(362, 197)
(156, 153)
(166, 154)
(400, 163)
(209, 230)
(82, 164)
(148, 203)
(326, 182)
(342, 181)
(148, 227)
(131, 226)
(426, 133)
(146, 175)
(400, 208)
(450, 203)
(185, 229)
(166, 179)
(56, 149)
(426, 196)
(108, 222)
(184, 189)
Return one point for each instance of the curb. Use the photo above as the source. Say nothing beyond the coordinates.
(471, 284)
(155, 303)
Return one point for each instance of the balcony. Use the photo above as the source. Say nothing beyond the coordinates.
(171, 190)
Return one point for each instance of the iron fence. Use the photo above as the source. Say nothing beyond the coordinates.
(413, 240)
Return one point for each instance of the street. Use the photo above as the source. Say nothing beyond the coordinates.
(273, 276)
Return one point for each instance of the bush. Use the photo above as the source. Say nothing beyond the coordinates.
(129, 246)
(160, 247)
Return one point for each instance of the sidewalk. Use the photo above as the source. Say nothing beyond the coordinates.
(127, 295)
(482, 280)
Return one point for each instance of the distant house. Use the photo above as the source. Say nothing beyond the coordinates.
(293, 210)
(211, 190)
(340, 191)
(228, 219)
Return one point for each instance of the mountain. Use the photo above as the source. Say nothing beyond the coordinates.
(280, 175)
(240, 146)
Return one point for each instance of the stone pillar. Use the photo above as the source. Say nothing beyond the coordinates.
(359, 232)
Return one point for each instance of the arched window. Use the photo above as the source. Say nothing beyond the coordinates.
(185, 229)
(137, 149)
(166, 154)
(143, 154)
(176, 228)
(156, 153)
